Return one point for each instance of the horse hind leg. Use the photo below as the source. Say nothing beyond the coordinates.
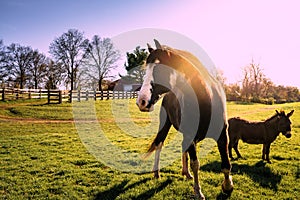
(185, 169)
(227, 185)
(194, 162)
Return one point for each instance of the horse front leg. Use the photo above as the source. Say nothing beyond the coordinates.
(185, 169)
(227, 185)
(194, 162)
(156, 160)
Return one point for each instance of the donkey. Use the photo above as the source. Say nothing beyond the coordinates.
(259, 132)
(193, 102)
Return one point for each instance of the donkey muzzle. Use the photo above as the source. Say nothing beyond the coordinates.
(287, 134)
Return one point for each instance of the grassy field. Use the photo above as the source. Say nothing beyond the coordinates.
(42, 155)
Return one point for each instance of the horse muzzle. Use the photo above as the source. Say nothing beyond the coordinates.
(144, 106)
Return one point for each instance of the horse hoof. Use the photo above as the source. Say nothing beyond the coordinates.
(227, 186)
(199, 196)
(156, 175)
(187, 175)
(227, 191)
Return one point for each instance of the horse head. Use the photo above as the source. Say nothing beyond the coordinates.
(284, 123)
(157, 77)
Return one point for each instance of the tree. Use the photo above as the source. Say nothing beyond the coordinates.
(252, 81)
(100, 59)
(38, 69)
(55, 74)
(69, 49)
(19, 59)
(3, 62)
(134, 64)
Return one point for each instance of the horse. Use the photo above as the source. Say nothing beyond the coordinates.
(259, 132)
(193, 102)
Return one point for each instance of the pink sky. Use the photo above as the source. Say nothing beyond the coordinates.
(232, 32)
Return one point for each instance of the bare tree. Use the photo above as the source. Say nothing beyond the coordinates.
(38, 69)
(253, 81)
(3, 61)
(69, 49)
(220, 77)
(100, 59)
(55, 74)
(19, 59)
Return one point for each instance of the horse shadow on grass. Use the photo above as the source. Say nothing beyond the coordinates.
(113, 192)
(259, 173)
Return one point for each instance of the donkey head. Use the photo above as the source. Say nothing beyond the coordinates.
(156, 80)
(284, 123)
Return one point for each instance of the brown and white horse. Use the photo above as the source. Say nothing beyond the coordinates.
(194, 103)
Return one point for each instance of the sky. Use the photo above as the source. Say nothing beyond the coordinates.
(231, 32)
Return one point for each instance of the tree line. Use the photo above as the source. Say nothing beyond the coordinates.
(79, 63)
(76, 62)
(256, 87)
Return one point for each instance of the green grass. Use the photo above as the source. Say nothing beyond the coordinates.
(42, 155)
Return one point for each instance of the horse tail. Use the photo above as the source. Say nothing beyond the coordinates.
(150, 150)
(157, 143)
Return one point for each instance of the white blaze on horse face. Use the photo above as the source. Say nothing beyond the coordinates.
(145, 91)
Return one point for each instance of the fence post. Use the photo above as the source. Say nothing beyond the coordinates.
(70, 96)
(3, 94)
(29, 94)
(49, 96)
(78, 95)
(17, 95)
(59, 96)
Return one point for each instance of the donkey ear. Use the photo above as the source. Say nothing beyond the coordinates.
(277, 112)
(150, 49)
(290, 113)
(157, 44)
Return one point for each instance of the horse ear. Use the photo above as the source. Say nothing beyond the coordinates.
(290, 113)
(277, 112)
(157, 44)
(150, 49)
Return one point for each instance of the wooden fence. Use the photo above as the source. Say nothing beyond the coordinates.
(58, 96)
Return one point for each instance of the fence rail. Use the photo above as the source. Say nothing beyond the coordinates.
(58, 96)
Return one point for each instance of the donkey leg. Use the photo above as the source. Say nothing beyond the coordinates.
(268, 152)
(236, 149)
(185, 169)
(227, 185)
(264, 152)
(230, 149)
(194, 162)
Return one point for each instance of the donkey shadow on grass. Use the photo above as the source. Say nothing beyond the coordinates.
(259, 173)
(117, 189)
